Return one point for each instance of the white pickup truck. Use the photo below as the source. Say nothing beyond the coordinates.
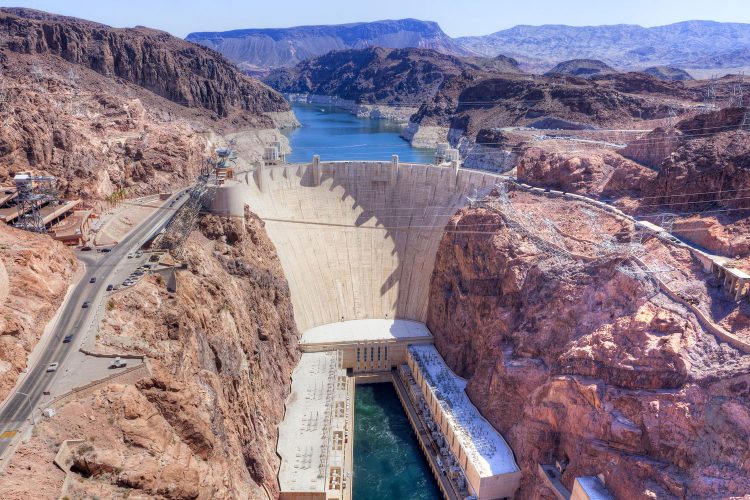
(118, 363)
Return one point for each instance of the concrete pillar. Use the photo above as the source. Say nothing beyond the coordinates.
(726, 277)
(740, 289)
(316, 170)
(454, 173)
(394, 169)
(260, 170)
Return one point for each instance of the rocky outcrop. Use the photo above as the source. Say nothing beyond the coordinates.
(583, 68)
(704, 163)
(167, 66)
(35, 273)
(576, 362)
(221, 351)
(593, 173)
(668, 73)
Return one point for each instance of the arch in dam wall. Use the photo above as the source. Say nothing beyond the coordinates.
(356, 239)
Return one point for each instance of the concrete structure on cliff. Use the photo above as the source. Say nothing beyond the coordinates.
(357, 240)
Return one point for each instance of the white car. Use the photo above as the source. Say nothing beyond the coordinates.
(53, 367)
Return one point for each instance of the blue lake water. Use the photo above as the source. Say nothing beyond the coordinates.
(388, 462)
(336, 134)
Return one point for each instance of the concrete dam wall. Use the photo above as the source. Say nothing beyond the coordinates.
(357, 240)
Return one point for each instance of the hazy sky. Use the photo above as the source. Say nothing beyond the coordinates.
(456, 17)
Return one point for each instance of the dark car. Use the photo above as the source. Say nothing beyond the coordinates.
(110, 287)
(93, 279)
(67, 339)
(86, 305)
(106, 250)
(86, 249)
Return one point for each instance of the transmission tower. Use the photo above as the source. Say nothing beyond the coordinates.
(711, 92)
(671, 114)
(3, 99)
(33, 192)
(736, 97)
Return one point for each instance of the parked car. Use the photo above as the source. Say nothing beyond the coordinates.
(67, 339)
(53, 367)
(86, 249)
(86, 305)
(118, 363)
(130, 255)
(110, 287)
(106, 250)
(139, 253)
(93, 279)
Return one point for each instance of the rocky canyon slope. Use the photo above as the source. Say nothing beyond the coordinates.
(107, 109)
(203, 424)
(576, 361)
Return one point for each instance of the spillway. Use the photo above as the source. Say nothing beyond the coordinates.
(357, 240)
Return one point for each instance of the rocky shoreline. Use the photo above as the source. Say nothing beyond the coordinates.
(376, 111)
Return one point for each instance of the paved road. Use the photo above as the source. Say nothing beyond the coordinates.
(74, 319)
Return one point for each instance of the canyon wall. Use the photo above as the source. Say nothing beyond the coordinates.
(575, 361)
(203, 425)
(180, 71)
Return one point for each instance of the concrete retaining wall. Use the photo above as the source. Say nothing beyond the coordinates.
(127, 376)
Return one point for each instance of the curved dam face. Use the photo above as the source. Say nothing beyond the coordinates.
(357, 240)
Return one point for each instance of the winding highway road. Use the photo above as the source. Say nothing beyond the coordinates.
(22, 405)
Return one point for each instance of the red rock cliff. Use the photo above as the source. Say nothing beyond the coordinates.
(577, 361)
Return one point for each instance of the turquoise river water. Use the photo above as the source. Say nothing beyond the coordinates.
(388, 462)
(336, 134)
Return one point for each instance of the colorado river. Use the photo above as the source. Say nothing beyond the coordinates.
(388, 462)
(336, 134)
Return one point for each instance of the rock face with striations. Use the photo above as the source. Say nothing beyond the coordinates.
(167, 66)
(577, 363)
(703, 163)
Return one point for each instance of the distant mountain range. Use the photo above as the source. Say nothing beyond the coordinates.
(698, 45)
(689, 44)
(256, 50)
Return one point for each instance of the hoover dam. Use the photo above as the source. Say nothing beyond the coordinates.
(357, 240)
